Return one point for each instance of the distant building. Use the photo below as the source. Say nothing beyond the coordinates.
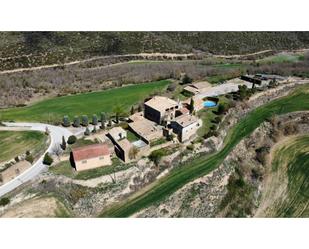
(185, 126)
(91, 156)
(197, 88)
(160, 108)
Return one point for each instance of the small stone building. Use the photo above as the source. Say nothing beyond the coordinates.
(159, 108)
(91, 156)
(186, 126)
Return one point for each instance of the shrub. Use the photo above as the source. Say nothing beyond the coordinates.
(27, 152)
(29, 158)
(156, 156)
(87, 132)
(47, 159)
(72, 139)
(4, 201)
(66, 121)
(190, 147)
(94, 119)
(76, 122)
(85, 121)
(16, 159)
(186, 79)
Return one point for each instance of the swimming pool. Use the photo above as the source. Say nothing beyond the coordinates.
(209, 103)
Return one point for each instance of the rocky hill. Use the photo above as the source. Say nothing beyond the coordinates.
(28, 49)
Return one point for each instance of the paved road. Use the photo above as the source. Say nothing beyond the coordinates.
(56, 134)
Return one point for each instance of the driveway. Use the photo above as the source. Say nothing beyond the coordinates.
(56, 133)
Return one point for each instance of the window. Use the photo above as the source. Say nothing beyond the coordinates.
(84, 161)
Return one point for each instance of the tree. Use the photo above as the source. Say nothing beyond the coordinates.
(186, 79)
(94, 119)
(4, 201)
(87, 132)
(191, 106)
(222, 108)
(94, 129)
(16, 159)
(29, 158)
(172, 87)
(103, 120)
(140, 108)
(132, 110)
(47, 131)
(85, 121)
(63, 144)
(47, 159)
(66, 121)
(76, 122)
(72, 139)
(156, 156)
(133, 152)
(118, 111)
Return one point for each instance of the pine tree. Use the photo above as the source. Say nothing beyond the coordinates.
(94, 119)
(66, 121)
(85, 121)
(63, 144)
(191, 106)
(76, 122)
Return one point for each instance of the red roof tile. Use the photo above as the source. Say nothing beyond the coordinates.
(90, 151)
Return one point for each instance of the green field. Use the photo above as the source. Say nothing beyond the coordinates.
(14, 143)
(161, 189)
(289, 177)
(84, 104)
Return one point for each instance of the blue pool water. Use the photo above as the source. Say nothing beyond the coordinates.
(209, 103)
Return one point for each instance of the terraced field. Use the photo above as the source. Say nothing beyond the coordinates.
(286, 192)
(14, 143)
(159, 190)
(84, 104)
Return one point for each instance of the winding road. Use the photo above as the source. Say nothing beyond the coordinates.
(56, 133)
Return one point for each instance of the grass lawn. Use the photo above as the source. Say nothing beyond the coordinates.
(14, 143)
(207, 115)
(84, 104)
(203, 165)
(65, 168)
(131, 136)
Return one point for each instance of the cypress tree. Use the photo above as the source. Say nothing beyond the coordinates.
(85, 121)
(66, 121)
(94, 119)
(76, 122)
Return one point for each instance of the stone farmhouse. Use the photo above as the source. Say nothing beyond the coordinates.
(91, 156)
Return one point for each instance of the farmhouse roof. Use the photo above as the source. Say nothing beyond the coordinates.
(114, 132)
(90, 151)
(125, 144)
(201, 85)
(161, 103)
(186, 120)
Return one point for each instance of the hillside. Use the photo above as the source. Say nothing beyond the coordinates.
(28, 49)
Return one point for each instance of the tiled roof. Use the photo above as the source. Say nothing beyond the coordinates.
(90, 151)
(161, 103)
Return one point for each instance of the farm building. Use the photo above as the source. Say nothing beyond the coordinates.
(117, 133)
(160, 108)
(146, 130)
(197, 88)
(185, 126)
(123, 148)
(91, 156)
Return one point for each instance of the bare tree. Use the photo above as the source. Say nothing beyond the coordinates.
(56, 150)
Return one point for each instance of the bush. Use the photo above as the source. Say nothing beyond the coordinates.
(47, 159)
(76, 122)
(186, 79)
(72, 139)
(85, 121)
(87, 132)
(94, 119)
(4, 201)
(29, 158)
(66, 121)
(16, 159)
(190, 147)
